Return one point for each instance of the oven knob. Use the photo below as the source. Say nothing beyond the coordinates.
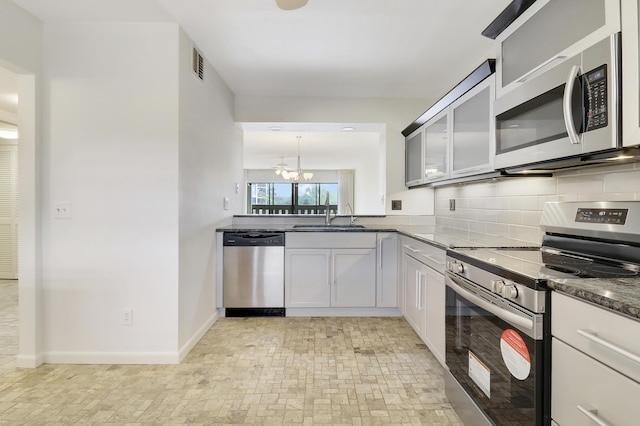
(456, 268)
(496, 286)
(509, 291)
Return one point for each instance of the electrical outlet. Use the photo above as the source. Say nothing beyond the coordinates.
(127, 316)
(62, 210)
(452, 204)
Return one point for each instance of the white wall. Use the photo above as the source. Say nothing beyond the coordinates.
(396, 114)
(111, 151)
(210, 165)
(21, 52)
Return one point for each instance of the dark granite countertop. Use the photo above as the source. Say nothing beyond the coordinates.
(441, 238)
(621, 295)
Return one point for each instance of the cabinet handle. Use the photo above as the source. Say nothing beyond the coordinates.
(417, 288)
(380, 253)
(433, 259)
(422, 274)
(410, 248)
(593, 336)
(539, 68)
(593, 415)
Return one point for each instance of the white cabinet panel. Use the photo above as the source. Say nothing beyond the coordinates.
(354, 278)
(414, 290)
(307, 278)
(435, 310)
(583, 389)
(387, 271)
(598, 333)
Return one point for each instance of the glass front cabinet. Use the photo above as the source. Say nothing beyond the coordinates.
(413, 158)
(456, 142)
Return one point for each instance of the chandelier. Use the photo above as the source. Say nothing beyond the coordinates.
(290, 4)
(297, 174)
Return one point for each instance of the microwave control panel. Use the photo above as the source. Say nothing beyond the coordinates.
(596, 108)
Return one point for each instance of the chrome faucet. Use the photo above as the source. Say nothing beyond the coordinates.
(327, 210)
(352, 219)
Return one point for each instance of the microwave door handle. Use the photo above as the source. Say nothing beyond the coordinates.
(567, 108)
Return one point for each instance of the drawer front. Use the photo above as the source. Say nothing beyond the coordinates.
(608, 337)
(330, 240)
(580, 384)
(427, 254)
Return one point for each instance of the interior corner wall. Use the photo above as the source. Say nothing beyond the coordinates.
(21, 52)
(396, 114)
(210, 166)
(110, 156)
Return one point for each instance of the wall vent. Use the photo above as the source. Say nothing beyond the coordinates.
(198, 64)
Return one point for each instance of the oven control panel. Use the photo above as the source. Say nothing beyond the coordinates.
(606, 216)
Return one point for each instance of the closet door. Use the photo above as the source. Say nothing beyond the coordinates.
(8, 212)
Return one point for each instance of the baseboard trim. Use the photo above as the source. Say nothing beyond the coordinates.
(186, 348)
(29, 361)
(60, 357)
(343, 312)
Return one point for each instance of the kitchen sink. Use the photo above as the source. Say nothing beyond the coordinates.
(324, 226)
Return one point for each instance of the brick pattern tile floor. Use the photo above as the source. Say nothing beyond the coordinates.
(244, 371)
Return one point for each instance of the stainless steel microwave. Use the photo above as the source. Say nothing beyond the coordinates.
(569, 109)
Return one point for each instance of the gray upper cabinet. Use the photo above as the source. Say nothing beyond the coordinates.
(473, 131)
(547, 33)
(454, 137)
(413, 158)
(436, 147)
(631, 72)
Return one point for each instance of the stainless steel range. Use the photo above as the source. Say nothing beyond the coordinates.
(497, 321)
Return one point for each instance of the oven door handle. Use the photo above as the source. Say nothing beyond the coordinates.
(506, 316)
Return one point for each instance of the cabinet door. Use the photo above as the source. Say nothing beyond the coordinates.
(631, 72)
(354, 278)
(413, 293)
(413, 158)
(436, 148)
(435, 310)
(306, 278)
(583, 390)
(387, 271)
(473, 133)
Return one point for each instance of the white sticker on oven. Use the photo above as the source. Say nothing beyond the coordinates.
(515, 354)
(480, 374)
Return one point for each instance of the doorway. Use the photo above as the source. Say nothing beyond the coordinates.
(9, 335)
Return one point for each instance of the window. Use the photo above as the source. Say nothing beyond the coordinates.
(292, 198)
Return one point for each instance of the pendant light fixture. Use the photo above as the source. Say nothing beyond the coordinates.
(290, 4)
(297, 175)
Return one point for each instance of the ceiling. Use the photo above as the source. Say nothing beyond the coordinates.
(329, 48)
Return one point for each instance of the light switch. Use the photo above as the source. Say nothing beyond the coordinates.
(226, 203)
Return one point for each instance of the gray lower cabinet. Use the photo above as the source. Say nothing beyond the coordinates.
(326, 269)
(595, 370)
(423, 296)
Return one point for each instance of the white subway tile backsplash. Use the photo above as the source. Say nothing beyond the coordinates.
(622, 182)
(512, 208)
(531, 218)
(523, 203)
(581, 184)
(510, 217)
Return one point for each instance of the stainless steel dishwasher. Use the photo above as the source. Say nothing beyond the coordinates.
(253, 277)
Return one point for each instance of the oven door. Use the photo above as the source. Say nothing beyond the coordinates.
(567, 110)
(496, 353)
